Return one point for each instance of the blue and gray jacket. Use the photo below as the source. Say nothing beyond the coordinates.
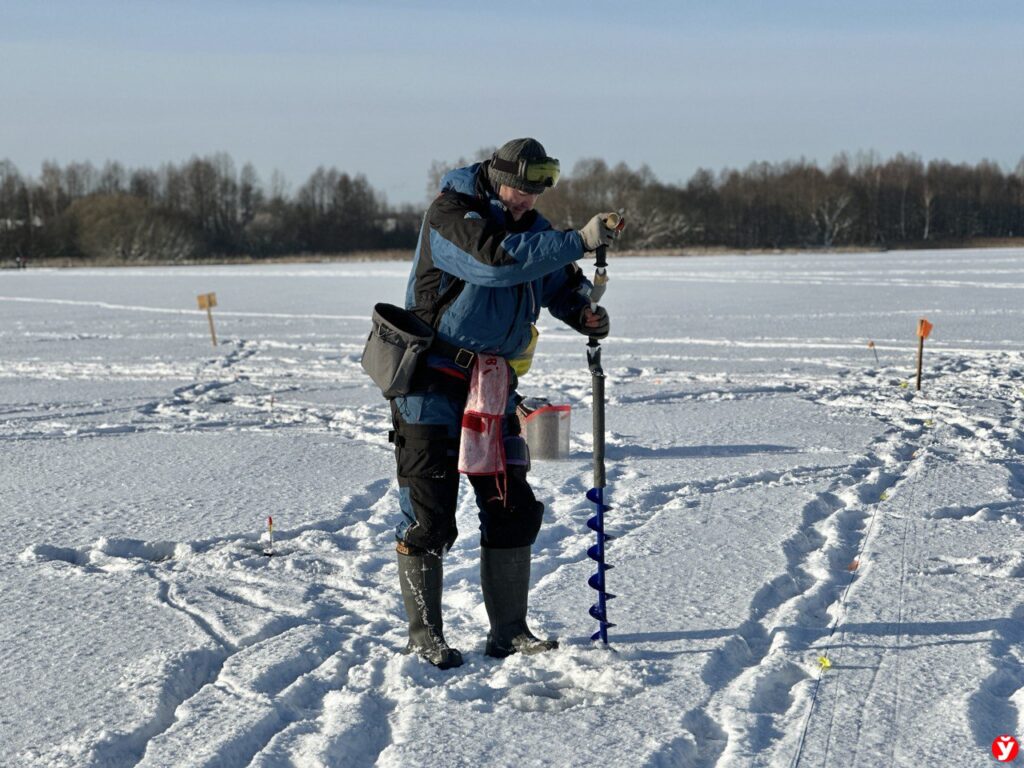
(481, 278)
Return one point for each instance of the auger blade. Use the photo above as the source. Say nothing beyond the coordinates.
(595, 525)
(602, 633)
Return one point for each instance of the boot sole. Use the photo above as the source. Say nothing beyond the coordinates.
(530, 650)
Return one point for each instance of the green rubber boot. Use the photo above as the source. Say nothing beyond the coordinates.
(421, 577)
(505, 581)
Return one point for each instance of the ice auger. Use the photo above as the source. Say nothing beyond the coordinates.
(599, 610)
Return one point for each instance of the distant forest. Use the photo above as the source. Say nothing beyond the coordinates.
(206, 209)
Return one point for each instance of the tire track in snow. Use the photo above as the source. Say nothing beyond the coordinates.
(996, 437)
(256, 717)
(755, 696)
(227, 394)
(281, 642)
(995, 705)
(752, 679)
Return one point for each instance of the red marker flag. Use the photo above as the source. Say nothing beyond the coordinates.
(923, 328)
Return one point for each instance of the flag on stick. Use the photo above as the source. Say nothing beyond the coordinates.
(871, 346)
(923, 329)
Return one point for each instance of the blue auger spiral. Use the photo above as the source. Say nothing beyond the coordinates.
(599, 610)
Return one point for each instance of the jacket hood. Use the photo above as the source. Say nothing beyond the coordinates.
(469, 180)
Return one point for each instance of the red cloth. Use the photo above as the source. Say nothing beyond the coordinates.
(482, 448)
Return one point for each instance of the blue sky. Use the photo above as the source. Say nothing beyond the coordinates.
(384, 88)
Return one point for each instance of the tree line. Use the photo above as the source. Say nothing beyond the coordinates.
(206, 208)
(866, 202)
(199, 209)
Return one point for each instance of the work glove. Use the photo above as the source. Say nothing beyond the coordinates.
(596, 233)
(594, 322)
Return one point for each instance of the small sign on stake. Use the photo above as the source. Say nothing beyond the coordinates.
(208, 301)
(923, 329)
(871, 346)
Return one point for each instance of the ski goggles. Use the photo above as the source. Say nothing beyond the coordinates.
(543, 170)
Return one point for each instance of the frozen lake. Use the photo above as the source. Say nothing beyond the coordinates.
(780, 496)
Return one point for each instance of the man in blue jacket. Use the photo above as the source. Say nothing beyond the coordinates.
(485, 264)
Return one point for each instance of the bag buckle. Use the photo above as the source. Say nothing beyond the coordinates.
(465, 355)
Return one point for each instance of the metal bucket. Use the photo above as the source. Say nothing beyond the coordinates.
(545, 426)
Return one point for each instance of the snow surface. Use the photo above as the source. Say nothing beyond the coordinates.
(757, 453)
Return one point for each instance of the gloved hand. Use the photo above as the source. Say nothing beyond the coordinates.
(596, 233)
(594, 322)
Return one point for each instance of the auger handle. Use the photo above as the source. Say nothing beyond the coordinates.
(612, 221)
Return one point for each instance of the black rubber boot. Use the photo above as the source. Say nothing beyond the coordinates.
(505, 580)
(421, 577)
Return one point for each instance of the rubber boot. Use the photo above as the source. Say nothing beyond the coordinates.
(421, 577)
(505, 580)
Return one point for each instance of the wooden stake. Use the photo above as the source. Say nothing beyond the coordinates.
(208, 301)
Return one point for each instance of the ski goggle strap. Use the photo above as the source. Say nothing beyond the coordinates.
(543, 170)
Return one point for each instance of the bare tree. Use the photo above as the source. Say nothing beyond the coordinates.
(250, 194)
(832, 218)
(113, 179)
(927, 197)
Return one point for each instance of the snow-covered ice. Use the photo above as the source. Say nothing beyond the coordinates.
(779, 496)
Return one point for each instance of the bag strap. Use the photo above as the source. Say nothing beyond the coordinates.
(464, 358)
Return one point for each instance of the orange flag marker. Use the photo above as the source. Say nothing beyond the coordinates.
(923, 329)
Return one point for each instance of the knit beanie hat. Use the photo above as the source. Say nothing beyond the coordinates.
(513, 151)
